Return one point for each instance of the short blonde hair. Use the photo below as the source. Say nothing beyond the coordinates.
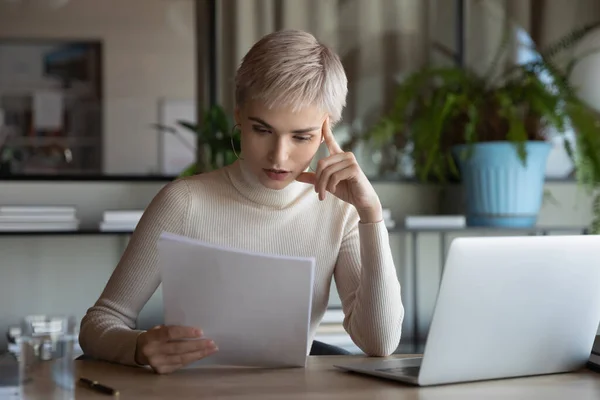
(291, 68)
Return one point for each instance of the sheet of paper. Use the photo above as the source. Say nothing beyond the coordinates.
(255, 307)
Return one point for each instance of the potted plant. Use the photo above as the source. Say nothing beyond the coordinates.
(215, 133)
(488, 130)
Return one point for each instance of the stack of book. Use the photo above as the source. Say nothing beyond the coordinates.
(120, 220)
(38, 218)
(435, 222)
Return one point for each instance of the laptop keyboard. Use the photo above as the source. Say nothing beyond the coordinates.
(407, 371)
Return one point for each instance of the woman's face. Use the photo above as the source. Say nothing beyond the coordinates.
(278, 144)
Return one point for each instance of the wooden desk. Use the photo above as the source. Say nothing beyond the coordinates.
(319, 381)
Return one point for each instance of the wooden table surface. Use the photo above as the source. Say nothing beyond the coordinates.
(320, 380)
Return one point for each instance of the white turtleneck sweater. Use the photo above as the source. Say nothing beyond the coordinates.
(231, 207)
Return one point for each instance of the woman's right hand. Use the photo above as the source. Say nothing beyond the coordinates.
(168, 348)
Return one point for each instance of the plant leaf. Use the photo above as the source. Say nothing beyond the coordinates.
(569, 40)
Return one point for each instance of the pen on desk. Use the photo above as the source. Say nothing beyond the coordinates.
(94, 385)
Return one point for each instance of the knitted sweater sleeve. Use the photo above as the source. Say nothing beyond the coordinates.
(108, 329)
(369, 289)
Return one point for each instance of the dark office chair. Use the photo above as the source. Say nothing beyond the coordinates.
(323, 349)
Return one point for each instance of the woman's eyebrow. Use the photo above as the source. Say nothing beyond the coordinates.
(260, 121)
(296, 131)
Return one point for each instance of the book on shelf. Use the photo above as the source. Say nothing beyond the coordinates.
(29, 218)
(122, 215)
(38, 218)
(117, 227)
(39, 226)
(37, 210)
(435, 221)
(120, 220)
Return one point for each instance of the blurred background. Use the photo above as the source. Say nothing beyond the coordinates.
(104, 102)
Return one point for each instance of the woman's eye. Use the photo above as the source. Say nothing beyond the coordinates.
(259, 129)
(303, 138)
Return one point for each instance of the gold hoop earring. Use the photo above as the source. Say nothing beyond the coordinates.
(232, 144)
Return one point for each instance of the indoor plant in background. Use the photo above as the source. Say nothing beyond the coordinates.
(215, 132)
(489, 130)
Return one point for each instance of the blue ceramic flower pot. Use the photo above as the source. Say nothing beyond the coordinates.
(500, 191)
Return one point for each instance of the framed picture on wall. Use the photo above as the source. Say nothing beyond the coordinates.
(51, 105)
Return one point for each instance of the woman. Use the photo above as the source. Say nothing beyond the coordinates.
(290, 90)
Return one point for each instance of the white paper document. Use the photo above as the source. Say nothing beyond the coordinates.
(256, 307)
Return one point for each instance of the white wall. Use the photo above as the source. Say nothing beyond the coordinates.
(149, 53)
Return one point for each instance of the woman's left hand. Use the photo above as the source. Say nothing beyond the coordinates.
(341, 175)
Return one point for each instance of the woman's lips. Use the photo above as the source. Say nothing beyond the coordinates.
(276, 175)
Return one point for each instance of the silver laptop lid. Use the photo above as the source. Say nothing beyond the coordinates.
(514, 306)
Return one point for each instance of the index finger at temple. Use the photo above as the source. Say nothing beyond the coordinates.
(332, 145)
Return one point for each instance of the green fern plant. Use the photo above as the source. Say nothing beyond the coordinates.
(436, 108)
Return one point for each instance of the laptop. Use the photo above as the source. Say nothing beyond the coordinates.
(506, 307)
